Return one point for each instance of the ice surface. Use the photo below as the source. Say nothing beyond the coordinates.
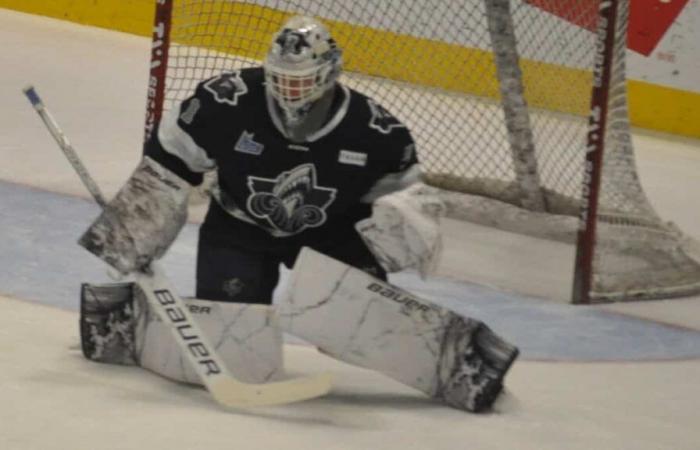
(557, 395)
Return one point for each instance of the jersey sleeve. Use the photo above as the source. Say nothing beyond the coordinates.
(186, 138)
(175, 147)
(402, 168)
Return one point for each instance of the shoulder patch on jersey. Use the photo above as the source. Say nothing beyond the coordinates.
(381, 119)
(227, 87)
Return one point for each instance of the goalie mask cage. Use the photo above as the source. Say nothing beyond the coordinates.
(518, 109)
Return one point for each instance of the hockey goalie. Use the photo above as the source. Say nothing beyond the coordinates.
(313, 175)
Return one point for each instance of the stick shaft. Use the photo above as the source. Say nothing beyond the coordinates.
(65, 145)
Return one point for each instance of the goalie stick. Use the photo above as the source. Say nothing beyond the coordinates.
(170, 308)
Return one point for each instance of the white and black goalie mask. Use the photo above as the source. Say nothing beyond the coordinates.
(302, 64)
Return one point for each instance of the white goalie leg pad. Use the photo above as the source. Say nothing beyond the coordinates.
(247, 337)
(404, 231)
(142, 221)
(361, 320)
(118, 327)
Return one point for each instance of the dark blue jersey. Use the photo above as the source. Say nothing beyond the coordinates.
(273, 191)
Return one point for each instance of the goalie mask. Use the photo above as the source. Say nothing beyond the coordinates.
(302, 64)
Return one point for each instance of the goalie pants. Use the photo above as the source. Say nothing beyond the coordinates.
(226, 272)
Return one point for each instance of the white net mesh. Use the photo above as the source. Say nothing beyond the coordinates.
(436, 65)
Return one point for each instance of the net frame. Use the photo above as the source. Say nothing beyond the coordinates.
(541, 194)
(595, 140)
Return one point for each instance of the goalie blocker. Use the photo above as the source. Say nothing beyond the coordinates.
(361, 320)
(142, 221)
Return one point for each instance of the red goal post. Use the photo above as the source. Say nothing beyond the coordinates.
(595, 148)
(504, 99)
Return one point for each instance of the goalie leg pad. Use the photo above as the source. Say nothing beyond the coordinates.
(118, 327)
(364, 321)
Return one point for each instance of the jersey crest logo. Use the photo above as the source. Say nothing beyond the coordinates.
(291, 202)
(227, 87)
(382, 120)
(246, 144)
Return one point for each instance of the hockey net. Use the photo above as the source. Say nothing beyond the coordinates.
(497, 95)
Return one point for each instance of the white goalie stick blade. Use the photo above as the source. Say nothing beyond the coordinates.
(225, 389)
(170, 308)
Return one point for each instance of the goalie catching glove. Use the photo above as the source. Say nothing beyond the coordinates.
(404, 231)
